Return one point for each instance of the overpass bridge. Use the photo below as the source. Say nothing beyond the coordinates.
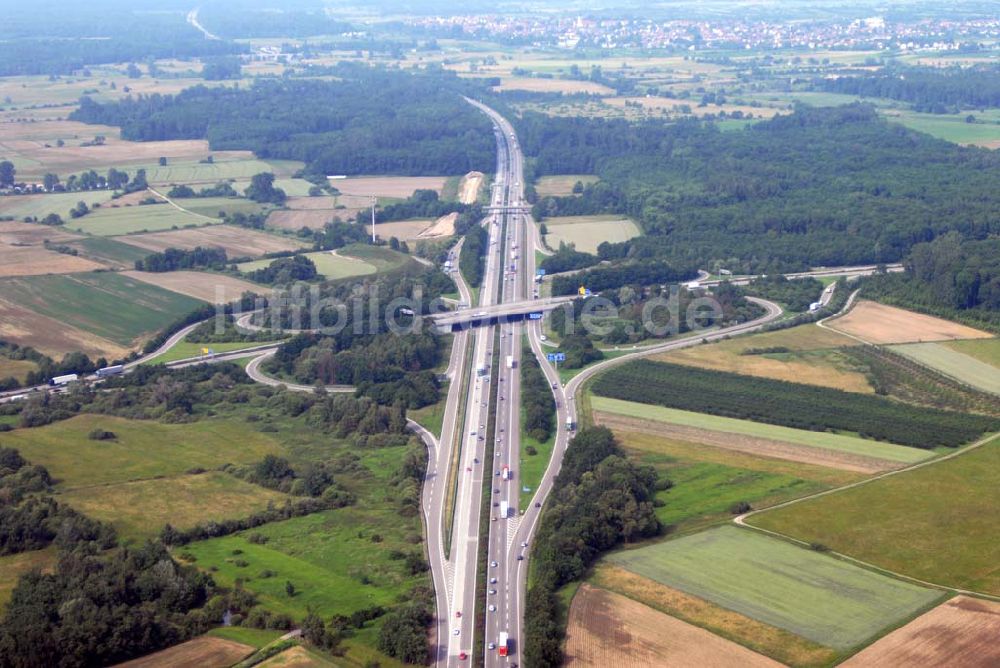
(451, 321)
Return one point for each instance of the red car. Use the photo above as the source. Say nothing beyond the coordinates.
(458, 613)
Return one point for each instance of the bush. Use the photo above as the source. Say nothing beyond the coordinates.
(101, 435)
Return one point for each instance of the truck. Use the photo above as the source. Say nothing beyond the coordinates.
(61, 381)
(510, 362)
(570, 425)
(503, 644)
(481, 370)
(504, 509)
(505, 472)
(113, 370)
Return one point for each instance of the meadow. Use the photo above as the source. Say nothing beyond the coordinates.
(984, 350)
(12, 566)
(813, 595)
(560, 185)
(532, 467)
(109, 305)
(816, 439)
(39, 206)
(329, 265)
(109, 251)
(139, 509)
(16, 368)
(936, 523)
(588, 232)
(955, 364)
(185, 349)
(142, 449)
(109, 222)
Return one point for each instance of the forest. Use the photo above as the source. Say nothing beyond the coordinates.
(790, 404)
(931, 89)
(368, 121)
(599, 500)
(537, 401)
(822, 186)
(174, 259)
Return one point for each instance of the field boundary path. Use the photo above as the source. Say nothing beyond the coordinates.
(182, 209)
(740, 520)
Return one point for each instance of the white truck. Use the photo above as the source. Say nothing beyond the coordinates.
(510, 361)
(570, 425)
(504, 509)
(503, 644)
(505, 472)
(61, 381)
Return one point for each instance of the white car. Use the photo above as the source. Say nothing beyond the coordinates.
(543, 337)
(493, 608)
(493, 564)
(457, 632)
(492, 645)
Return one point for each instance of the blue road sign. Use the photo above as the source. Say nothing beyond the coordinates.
(556, 357)
(550, 357)
(535, 315)
(540, 272)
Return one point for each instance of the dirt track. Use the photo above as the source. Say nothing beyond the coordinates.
(749, 444)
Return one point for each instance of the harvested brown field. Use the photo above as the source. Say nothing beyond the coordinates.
(878, 323)
(30, 234)
(326, 203)
(762, 447)
(960, 632)
(762, 638)
(36, 260)
(561, 185)
(552, 86)
(297, 657)
(388, 186)
(204, 652)
(404, 230)
(32, 147)
(608, 629)
(236, 241)
(26, 328)
(213, 288)
(468, 189)
(314, 219)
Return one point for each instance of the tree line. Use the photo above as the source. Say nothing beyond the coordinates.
(537, 401)
(790, 404)
(930, 89)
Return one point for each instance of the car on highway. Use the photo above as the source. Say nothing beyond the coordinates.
(493, 581)
(496, 491)
(524, 544)
(458, 613)
(538, 504)
(492, 645)
(493, 564)
(457, 632)
(493, 608)
(520, 557)
(493, 591)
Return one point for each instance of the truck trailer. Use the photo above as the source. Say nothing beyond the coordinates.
(503, 644)
(113, 370)
(505, 473)
(504, 509)
(60, 381)
(510, 362)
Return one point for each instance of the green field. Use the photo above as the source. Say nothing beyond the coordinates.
(192, 171)
(327, 265)
(952, 127)
(984, 350)
(16, 368)
(104, 249)
(950, 362)
(253, 637)
(818, 439)
(13, 566)
(140, 509)
(186, 349)
(213, 206)
(588, 232)
(40, 206)
(328, 556)
(382, 258)
(107, 222)
(561, 184)
(936, 523)
(142, 449)
(816, 596)
(107, 304)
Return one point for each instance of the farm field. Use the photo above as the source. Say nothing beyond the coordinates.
(213, 206)
(984, 350)
(296, 217)
(763, 638)
(254, 637)
(948, 536)
(14, 233)
(561, 184)
(551, 85)
(588, 232)
(329, 264)
(951, 127)
(608, 629)
(139, 509)
(108, 305)
(812, 358)
(878, 323)
(39, 206)
(383, 259)
(399, 187)
(205, 652)
(13, 566)
(142, 448)
(109, 251)
(953, 363)
(209, 287)
(336, 568)
(224, 166)
(23, 326)
(816, 596)
(404, 230)
(108, 222)
(38, 261)
(959, 632)
(816, 439)
(299, 657)
(236, 241)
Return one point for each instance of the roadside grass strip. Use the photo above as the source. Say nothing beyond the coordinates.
(816, 596)
(816, 439)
